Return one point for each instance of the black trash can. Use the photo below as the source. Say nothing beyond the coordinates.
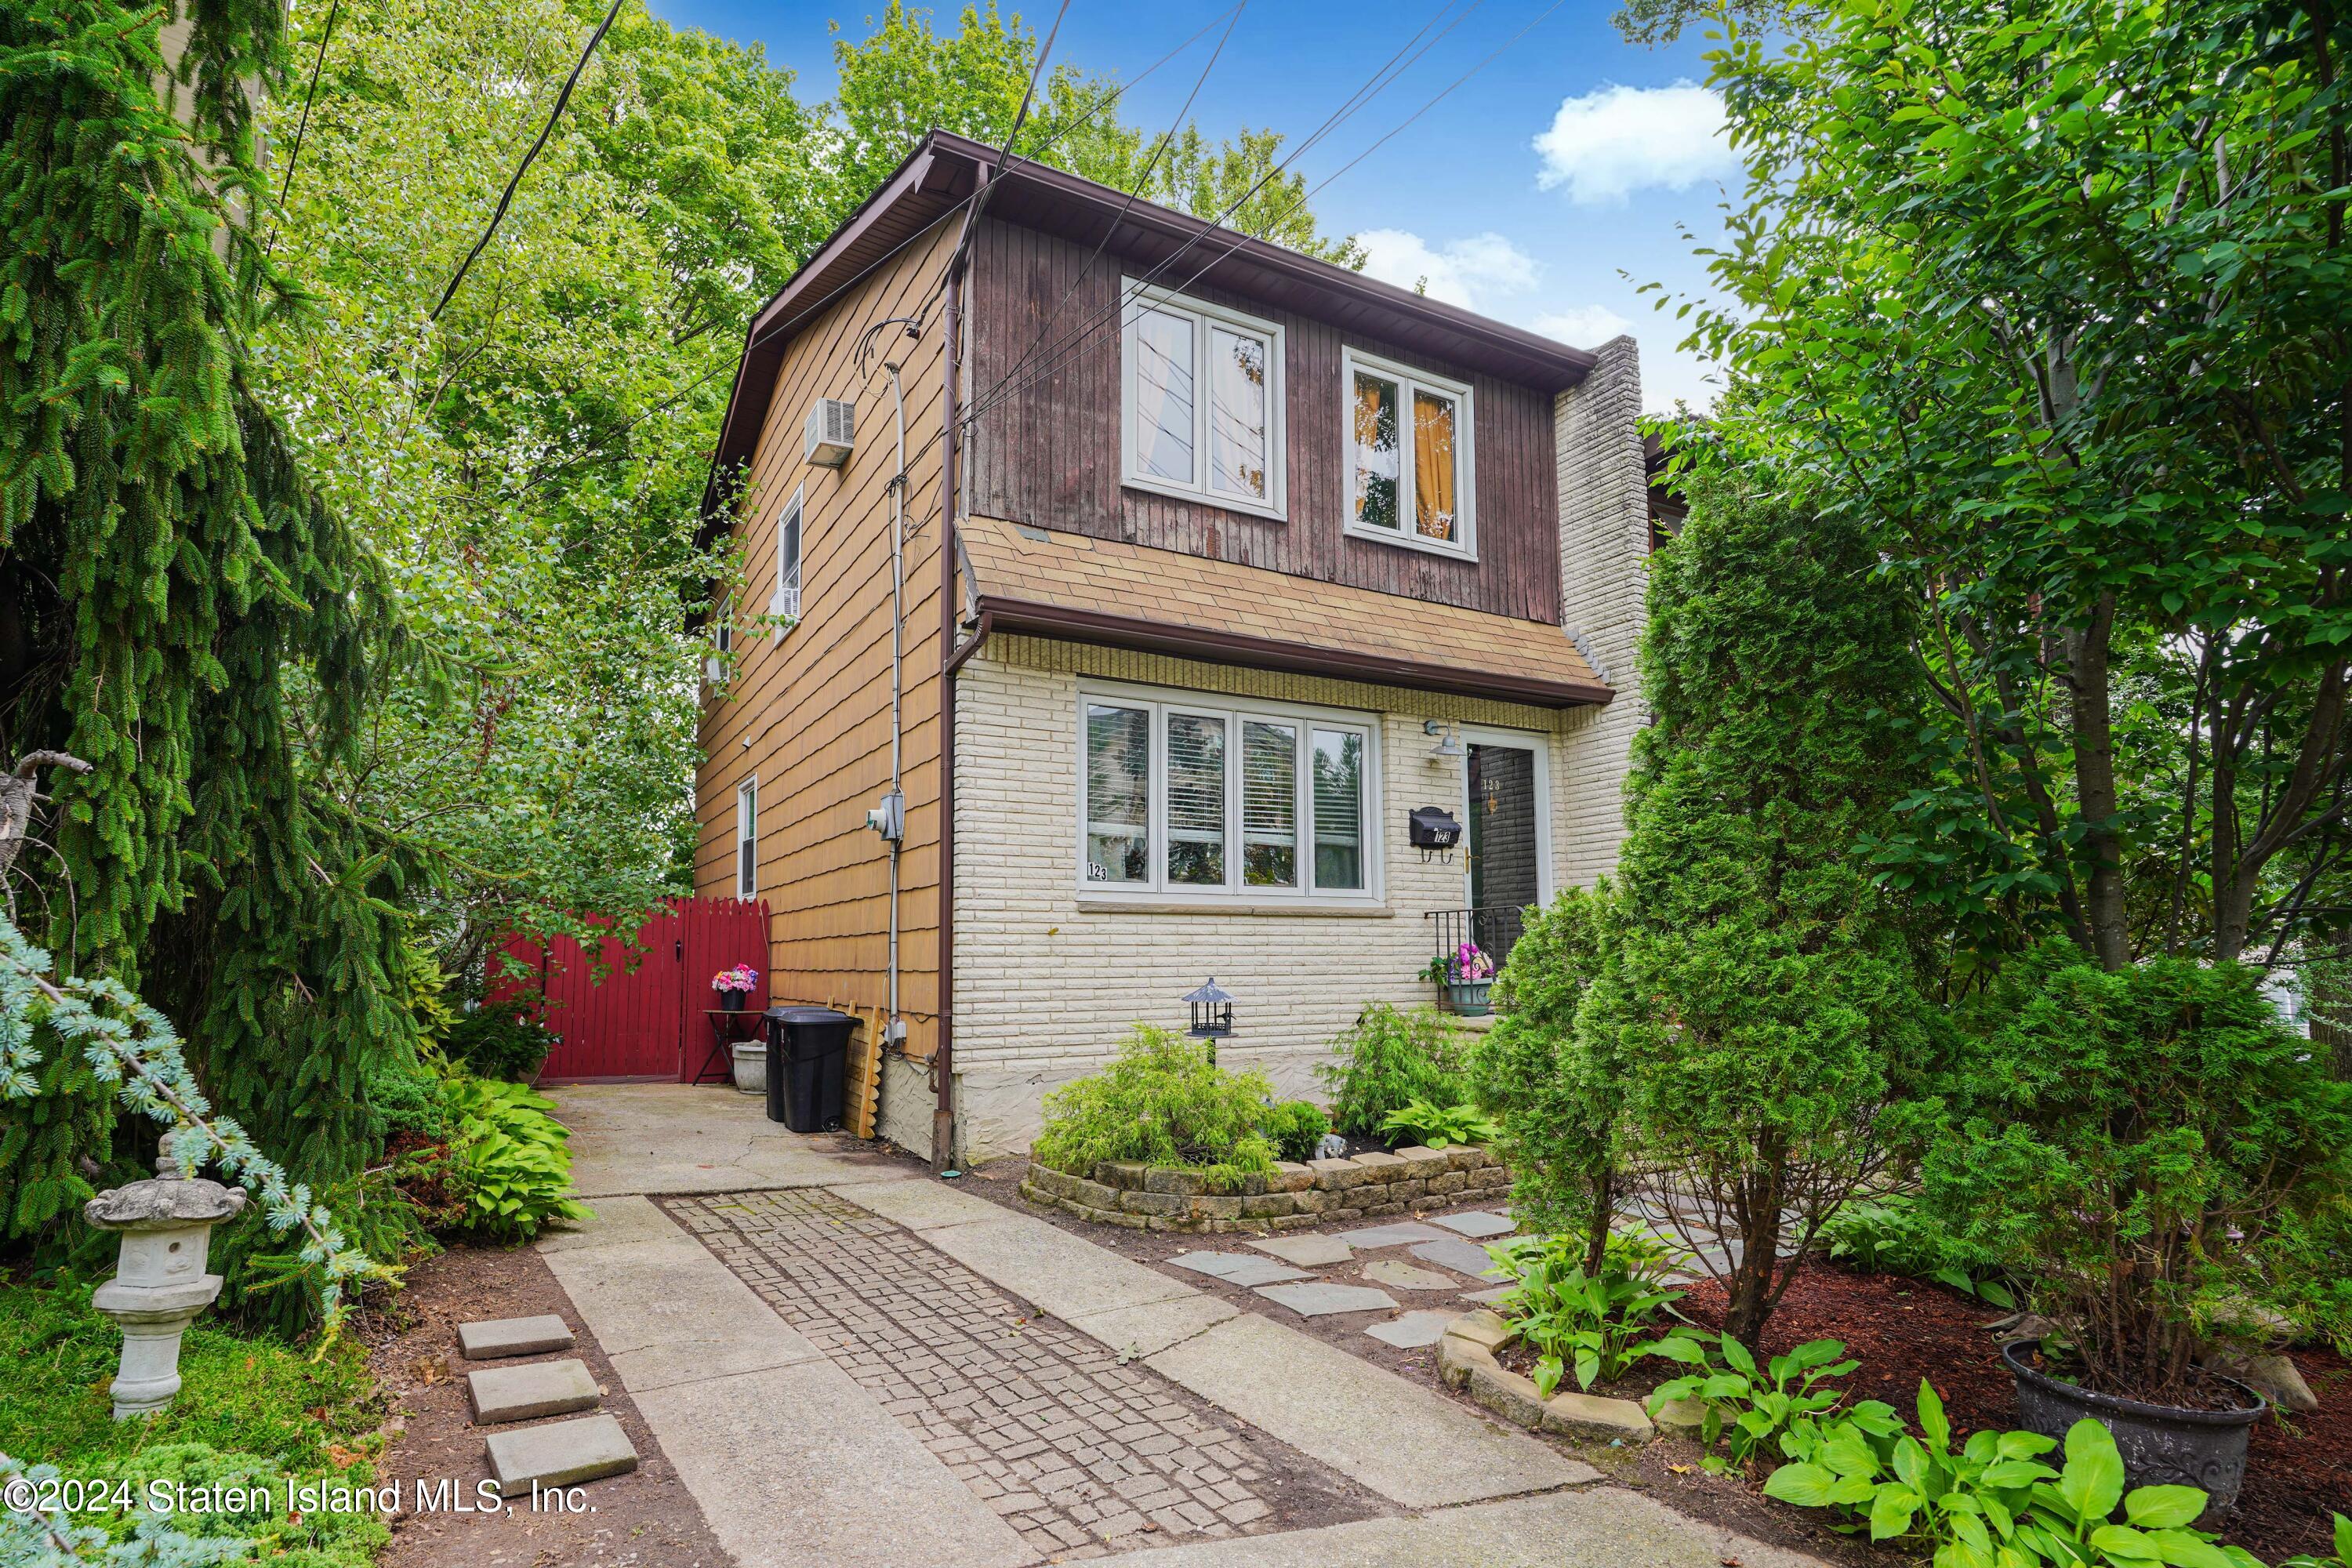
(808, 1066)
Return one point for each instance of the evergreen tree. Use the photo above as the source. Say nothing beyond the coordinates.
(172, 584)
(1756, 998)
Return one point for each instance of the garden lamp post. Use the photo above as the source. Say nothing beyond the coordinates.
(1213, 1014)
(160, 1284)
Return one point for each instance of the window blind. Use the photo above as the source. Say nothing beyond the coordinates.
(1118, 794)
(1339, 793)
(1269, 804)
(1196, 800)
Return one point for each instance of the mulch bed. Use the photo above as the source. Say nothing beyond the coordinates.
(2298, 1468)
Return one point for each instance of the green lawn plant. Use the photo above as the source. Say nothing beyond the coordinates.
(1748, 1407)
(1162, 1100)
(1892, 1235)
(508, 1157)
(1295, 1127)
(1590, 1325)
(1437, 1126)
(1388, 1058)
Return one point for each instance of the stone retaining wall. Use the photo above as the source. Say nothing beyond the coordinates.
(1159, 1197)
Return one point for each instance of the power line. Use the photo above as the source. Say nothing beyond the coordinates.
(524, 168)
(1003, 389)
(294, 155)
(1379, 81)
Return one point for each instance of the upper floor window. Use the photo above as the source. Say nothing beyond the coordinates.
(1409, 456)
(1202, 402)
(785, 603)
(1190, 799)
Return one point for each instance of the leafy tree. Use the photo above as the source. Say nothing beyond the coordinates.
(2057, 300)
(182, 610)
(906, 78)
(1757, 1009)
(1558, 1105)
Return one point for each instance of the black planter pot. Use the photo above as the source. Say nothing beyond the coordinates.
(2161, 1445)
(733, 1000)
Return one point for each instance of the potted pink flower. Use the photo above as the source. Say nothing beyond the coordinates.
(1467, 974)
(734, 985)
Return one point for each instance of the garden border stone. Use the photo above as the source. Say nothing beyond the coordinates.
(1467, 1359)
(1364, 1187)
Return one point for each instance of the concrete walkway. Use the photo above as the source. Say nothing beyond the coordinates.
(839, 1357)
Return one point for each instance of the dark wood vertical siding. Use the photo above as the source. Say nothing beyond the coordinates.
(1046, 451)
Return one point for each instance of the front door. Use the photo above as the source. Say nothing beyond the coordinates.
(1505, 826)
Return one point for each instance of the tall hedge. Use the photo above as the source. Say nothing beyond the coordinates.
(1758, 1003)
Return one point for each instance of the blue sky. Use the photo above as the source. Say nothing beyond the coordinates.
(1542, 192)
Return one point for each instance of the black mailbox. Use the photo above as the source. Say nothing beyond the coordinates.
(1434, 831)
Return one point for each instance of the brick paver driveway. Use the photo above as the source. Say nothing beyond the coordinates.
(1080, 1453)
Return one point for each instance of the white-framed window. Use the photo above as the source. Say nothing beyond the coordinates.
(1202, 798)
(785, 603)
(1201, 402)
(723, 643)
(1409, 460)
(747, 838)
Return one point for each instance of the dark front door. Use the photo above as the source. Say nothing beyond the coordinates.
(1506, 850)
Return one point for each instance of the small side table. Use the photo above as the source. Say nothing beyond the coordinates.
(724, 1035)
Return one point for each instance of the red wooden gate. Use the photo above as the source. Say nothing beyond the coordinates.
(646, 1022)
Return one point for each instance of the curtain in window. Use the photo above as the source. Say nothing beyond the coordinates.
(1196, 800)
(1269, 804)
(1338, 794)
(1237, 422)
(1432, 466)
(1163, 395)
(1378, 472)
(1118, 794)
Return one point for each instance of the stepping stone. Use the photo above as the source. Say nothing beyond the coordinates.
(1236, 1267)
(1412, 1331)
(1320, 1300)
(1475, 1224)
(1395, 1235)
(1397, 1274)
(1461, 1256)
(513, 1336)
(1488, 1298)
(562, 1454)
(534, 1389)
(1307, 1251)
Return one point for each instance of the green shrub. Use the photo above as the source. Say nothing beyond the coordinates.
(1387, 1060)
(1296, 1126)
(507, 1158)
(1161, 1100)
(2130, 1143)
(501, 1040)
(1573, 1319)
(1437, 1126)
(406, 1099)
(1557, 1107)
(1893, 1235)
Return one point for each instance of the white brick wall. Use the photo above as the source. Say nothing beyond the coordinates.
(1604, 554)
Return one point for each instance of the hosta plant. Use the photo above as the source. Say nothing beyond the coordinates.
(508, 1157)
(1438, 1126)
(1575, 1321)
(1747, 1406)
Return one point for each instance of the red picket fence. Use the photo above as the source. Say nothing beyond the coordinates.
(646, 1022)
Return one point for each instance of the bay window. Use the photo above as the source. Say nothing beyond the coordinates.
(1409, 456)
(1201, 402)
(1204, 800)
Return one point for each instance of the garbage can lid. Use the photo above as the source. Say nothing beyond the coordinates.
(809, 1016)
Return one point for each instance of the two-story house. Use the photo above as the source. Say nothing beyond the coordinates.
(1114, 590)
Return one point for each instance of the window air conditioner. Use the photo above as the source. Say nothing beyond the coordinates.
(831, 431)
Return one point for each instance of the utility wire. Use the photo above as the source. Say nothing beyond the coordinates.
(1379, 81)
(524, 168)
(294, 155)
(1003, 389)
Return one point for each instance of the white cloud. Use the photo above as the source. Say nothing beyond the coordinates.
(1617, 139)
(1459, 272)
(1586, 326)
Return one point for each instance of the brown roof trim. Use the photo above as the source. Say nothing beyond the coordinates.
(945, 168)
(1002, 615)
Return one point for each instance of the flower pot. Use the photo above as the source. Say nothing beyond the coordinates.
(2162, 1445)
(732, 1000)
(1469, 998)
(752, 1066)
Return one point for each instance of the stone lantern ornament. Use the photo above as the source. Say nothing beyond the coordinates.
(160, 1284)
